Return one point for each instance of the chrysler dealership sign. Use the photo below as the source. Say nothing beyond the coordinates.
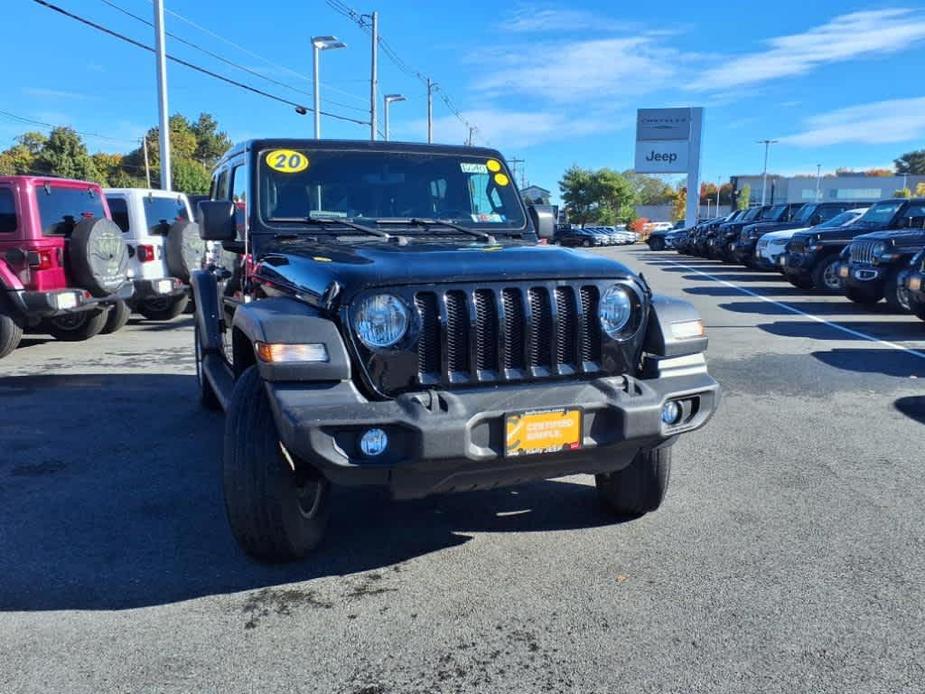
(668, 142)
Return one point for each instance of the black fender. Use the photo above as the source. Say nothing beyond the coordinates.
(661, 339)
(208, 311)
(287, 321)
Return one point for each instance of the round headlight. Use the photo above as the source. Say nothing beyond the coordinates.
(381, 320)
(615, 311)
(880, 248)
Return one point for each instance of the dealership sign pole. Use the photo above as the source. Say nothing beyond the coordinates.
(668, 142)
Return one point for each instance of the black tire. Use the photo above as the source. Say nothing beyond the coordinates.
(97, 256)
(639, 488)
(163, 308)
(185, 250)
(896, 294)
(825, 277)
(860, 296)
(76, 327)
(656, 244)
(918, 310)
(11, 326)
(800, 282)
(117, 318)
(276, 513)
(207, 397)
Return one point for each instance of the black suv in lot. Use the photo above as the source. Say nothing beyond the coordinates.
(813, 257)
(705, 233)
(915, 285)
(796, 216)
(391, 320)
(720, 244)
(876, 263)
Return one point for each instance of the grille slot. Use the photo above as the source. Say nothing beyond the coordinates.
(491, 334)
(863, 251)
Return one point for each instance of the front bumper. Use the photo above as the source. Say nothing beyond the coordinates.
(744, 251)
(861, 276)
(60, 302)
(915, 285)
(798, 264)
(443, 441)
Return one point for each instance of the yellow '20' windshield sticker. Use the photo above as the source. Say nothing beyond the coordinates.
(287, 161)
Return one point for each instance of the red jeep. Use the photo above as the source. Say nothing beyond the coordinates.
(63, 262)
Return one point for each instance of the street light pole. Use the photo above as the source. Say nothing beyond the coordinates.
(320, 43)
(430, 110)
(818, 176)
(374, 79)
(389, 99)
(764, 185)
(162, 108)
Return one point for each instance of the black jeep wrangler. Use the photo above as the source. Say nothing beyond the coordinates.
(390, 319)
(876, 263)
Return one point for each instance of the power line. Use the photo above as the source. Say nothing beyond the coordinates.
(99, 27)
(223, 59)
(32, 121)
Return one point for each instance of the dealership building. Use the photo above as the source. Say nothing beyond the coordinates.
(830, 188)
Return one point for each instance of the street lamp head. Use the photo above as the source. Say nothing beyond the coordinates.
(390, 98)
(324, 43)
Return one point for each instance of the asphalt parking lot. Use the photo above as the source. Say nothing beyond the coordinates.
(788, 555)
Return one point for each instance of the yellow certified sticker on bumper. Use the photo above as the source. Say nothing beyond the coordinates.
(542, 431)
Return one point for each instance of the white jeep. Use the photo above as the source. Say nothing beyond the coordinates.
(164, 248)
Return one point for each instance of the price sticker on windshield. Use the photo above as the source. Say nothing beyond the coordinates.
(287, 161)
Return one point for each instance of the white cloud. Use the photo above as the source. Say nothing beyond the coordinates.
(896, 120)
(848, 36)
(43, 93)
(532, 19)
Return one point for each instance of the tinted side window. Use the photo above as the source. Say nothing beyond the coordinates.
(60, 209)
(7, 211)
(914, 211)
(239, 197)
(161, 213)
(118, 208)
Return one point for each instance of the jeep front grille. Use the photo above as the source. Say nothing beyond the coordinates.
(507, 333)
(862, 252)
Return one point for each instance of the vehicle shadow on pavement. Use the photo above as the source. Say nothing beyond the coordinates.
(913, 407)
(720, 290)
(893, 330)
(819, 308)
(887, 362)
(152, 326)
(110, 498)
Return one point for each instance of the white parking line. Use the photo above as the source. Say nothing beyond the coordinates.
(836, 326)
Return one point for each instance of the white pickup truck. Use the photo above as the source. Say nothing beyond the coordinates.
(164, 248)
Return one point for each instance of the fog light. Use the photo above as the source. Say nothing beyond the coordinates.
(671, 412)
(374, 442)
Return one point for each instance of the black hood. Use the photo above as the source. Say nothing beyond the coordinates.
(310, 268)
(906, 239)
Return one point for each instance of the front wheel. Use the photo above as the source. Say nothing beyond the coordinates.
(825, 275)
(163, 307)
(76, 327)
(277, 506)
(639, 488)
(896, 294)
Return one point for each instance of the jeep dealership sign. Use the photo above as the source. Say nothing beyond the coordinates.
(668, 142)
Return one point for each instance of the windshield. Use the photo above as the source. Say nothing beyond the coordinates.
(774, 214)
(840, 220)
(161, 213)
(473, 191)
(750, 215)
(880, 214)
(805, 213)
(61, 208)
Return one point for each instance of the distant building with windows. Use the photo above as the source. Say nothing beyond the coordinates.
(534, 193)
(831, 188)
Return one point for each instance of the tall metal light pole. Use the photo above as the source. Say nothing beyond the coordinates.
(818, 176)
(764, 185)
(374, 78)
(430, 110)
(389, 99)
(321, 43)
(163, 112)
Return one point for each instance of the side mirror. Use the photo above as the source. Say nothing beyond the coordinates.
(216, 220)
(916, 222)
(544, 220)
(903, 222)
(815, 219)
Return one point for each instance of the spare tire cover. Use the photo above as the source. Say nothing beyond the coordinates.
(98, 256)
(185, 249)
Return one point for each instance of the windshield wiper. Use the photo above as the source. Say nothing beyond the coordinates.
(427, 223)
(323, 222)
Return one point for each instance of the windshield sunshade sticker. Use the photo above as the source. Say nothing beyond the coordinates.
(287, 161)
(472, 167)
(502, 179)
(493, 165)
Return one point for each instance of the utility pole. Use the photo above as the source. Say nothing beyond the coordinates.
(430, 110)
(374, 78)
(472, 130)
(718, 186)
(523, 171)
(818, 176)
(764, 177)
(163, 111)
(144, 147)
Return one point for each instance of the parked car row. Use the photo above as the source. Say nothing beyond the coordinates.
(77, 260)
(868, 252)
(595, 236)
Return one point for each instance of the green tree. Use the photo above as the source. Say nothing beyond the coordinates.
(902, 193)
(211, 143)
(745, 197)
(20, 158)
(579, 193)
(649, 190)
(65, 154)
(616, 196)
(679, 204)
(190, 177)
(912, 163)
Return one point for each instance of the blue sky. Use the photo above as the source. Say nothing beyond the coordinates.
(553, 83)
